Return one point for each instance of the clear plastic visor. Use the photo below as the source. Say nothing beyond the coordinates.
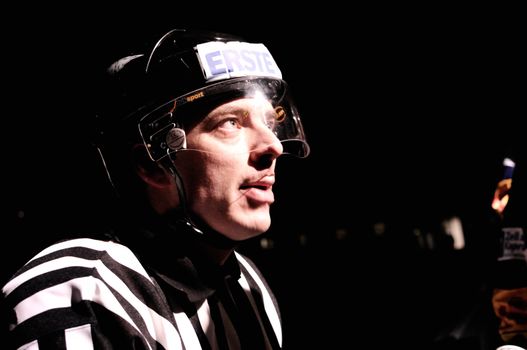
(162, 129)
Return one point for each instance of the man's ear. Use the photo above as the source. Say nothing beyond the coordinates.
(149, 171)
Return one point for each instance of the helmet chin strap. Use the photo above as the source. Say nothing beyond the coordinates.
(169, 164)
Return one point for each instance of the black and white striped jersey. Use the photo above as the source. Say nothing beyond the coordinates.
(87, 293)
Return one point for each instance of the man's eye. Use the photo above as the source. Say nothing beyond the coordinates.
(229, 123)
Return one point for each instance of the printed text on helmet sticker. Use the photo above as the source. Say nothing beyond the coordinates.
(220, 60)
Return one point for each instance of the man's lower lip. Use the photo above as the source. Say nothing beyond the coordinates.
(264, 196)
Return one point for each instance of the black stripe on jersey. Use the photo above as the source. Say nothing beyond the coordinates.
(52, 341)
(109, 332)
(77, 251)
(54, 321)
(113, 329)
(46, 280)
(215, 315)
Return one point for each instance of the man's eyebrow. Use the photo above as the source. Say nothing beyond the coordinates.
(232, 109)
(228, 109)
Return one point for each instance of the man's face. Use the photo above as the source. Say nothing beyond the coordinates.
(229, 167)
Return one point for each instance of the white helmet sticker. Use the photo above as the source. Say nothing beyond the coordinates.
(224, 60)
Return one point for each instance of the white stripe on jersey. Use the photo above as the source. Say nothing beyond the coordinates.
(207, 325)
(187, 332)
(79, 338)
(268, 301)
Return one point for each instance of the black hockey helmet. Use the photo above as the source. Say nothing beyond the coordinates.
(147, 95)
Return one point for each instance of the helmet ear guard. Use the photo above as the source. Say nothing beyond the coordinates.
(176, 139)
(161, 134)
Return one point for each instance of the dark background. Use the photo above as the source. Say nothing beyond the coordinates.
(409, 113)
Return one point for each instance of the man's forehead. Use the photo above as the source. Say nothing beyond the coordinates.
(258, 102)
